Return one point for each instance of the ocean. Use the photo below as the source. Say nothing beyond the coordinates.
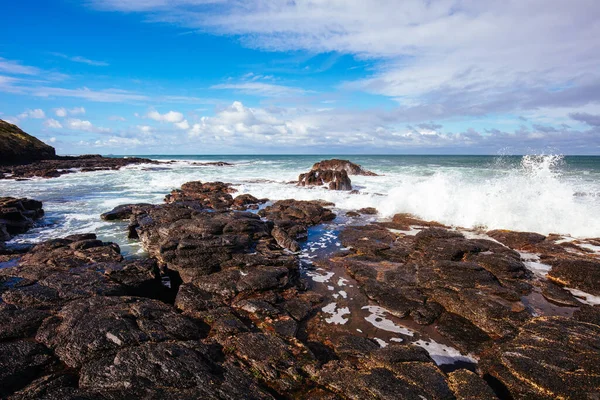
(545, 193)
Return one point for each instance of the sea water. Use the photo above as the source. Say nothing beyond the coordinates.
(544, 193)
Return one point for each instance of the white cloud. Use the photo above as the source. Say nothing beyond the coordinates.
(116, 118)
(53, 124)
(171, 116)
(83, 60)
(144, 128)
(262, 89)
(63, 112)
(15, 67)
(184, 125)
(36, 114)
(104, 95)
(77, 111)
(472, 57)
(84, 126)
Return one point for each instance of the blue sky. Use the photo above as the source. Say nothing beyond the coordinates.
(268, 76)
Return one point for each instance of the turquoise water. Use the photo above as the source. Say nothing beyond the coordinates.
(531, 193)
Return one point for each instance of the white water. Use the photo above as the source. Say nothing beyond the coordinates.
(538, 194)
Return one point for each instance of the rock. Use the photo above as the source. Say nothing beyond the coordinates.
(368, 211)
(20, 323)
(124, 211)
(278, 364)
(18, 147)
(169, 370)
(61, 165)
(367, 239)
(284, 240)
(516, 240)
(196, 244)
(60, 255)
(230, 282)
(551, 357)
(215, 195)
(478, 283)
(247, 201)
(395, 372)
(20, 362)
(18, 215)
(557, 295)
(214, 164)
(404, 222)
(298, 211)
(468, 386)
(589, 314)
(342, 165)
(577, 273)
(96, 327)
(336, 180)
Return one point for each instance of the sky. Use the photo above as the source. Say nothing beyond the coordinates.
(304, 76)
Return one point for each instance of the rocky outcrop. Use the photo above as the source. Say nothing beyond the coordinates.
(342, 165)
(61, 165)
(18, 216)
(335, 180)
(198, 243)
(18, 147)
(238, 317)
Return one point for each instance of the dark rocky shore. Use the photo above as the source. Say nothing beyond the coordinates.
(223, 308)
(23, 156)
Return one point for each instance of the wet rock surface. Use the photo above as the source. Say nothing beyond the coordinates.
(18, 216)
(292, 219)
(551, 357)
(333, 179)
(213, 195)
(403, 309)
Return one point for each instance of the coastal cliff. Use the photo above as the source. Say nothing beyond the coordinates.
(18, 147)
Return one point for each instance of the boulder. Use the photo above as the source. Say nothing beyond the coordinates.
(196, 244)
(336, 180)
(342, 165)
(124, 211)
(18, 215)
(215, 195)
